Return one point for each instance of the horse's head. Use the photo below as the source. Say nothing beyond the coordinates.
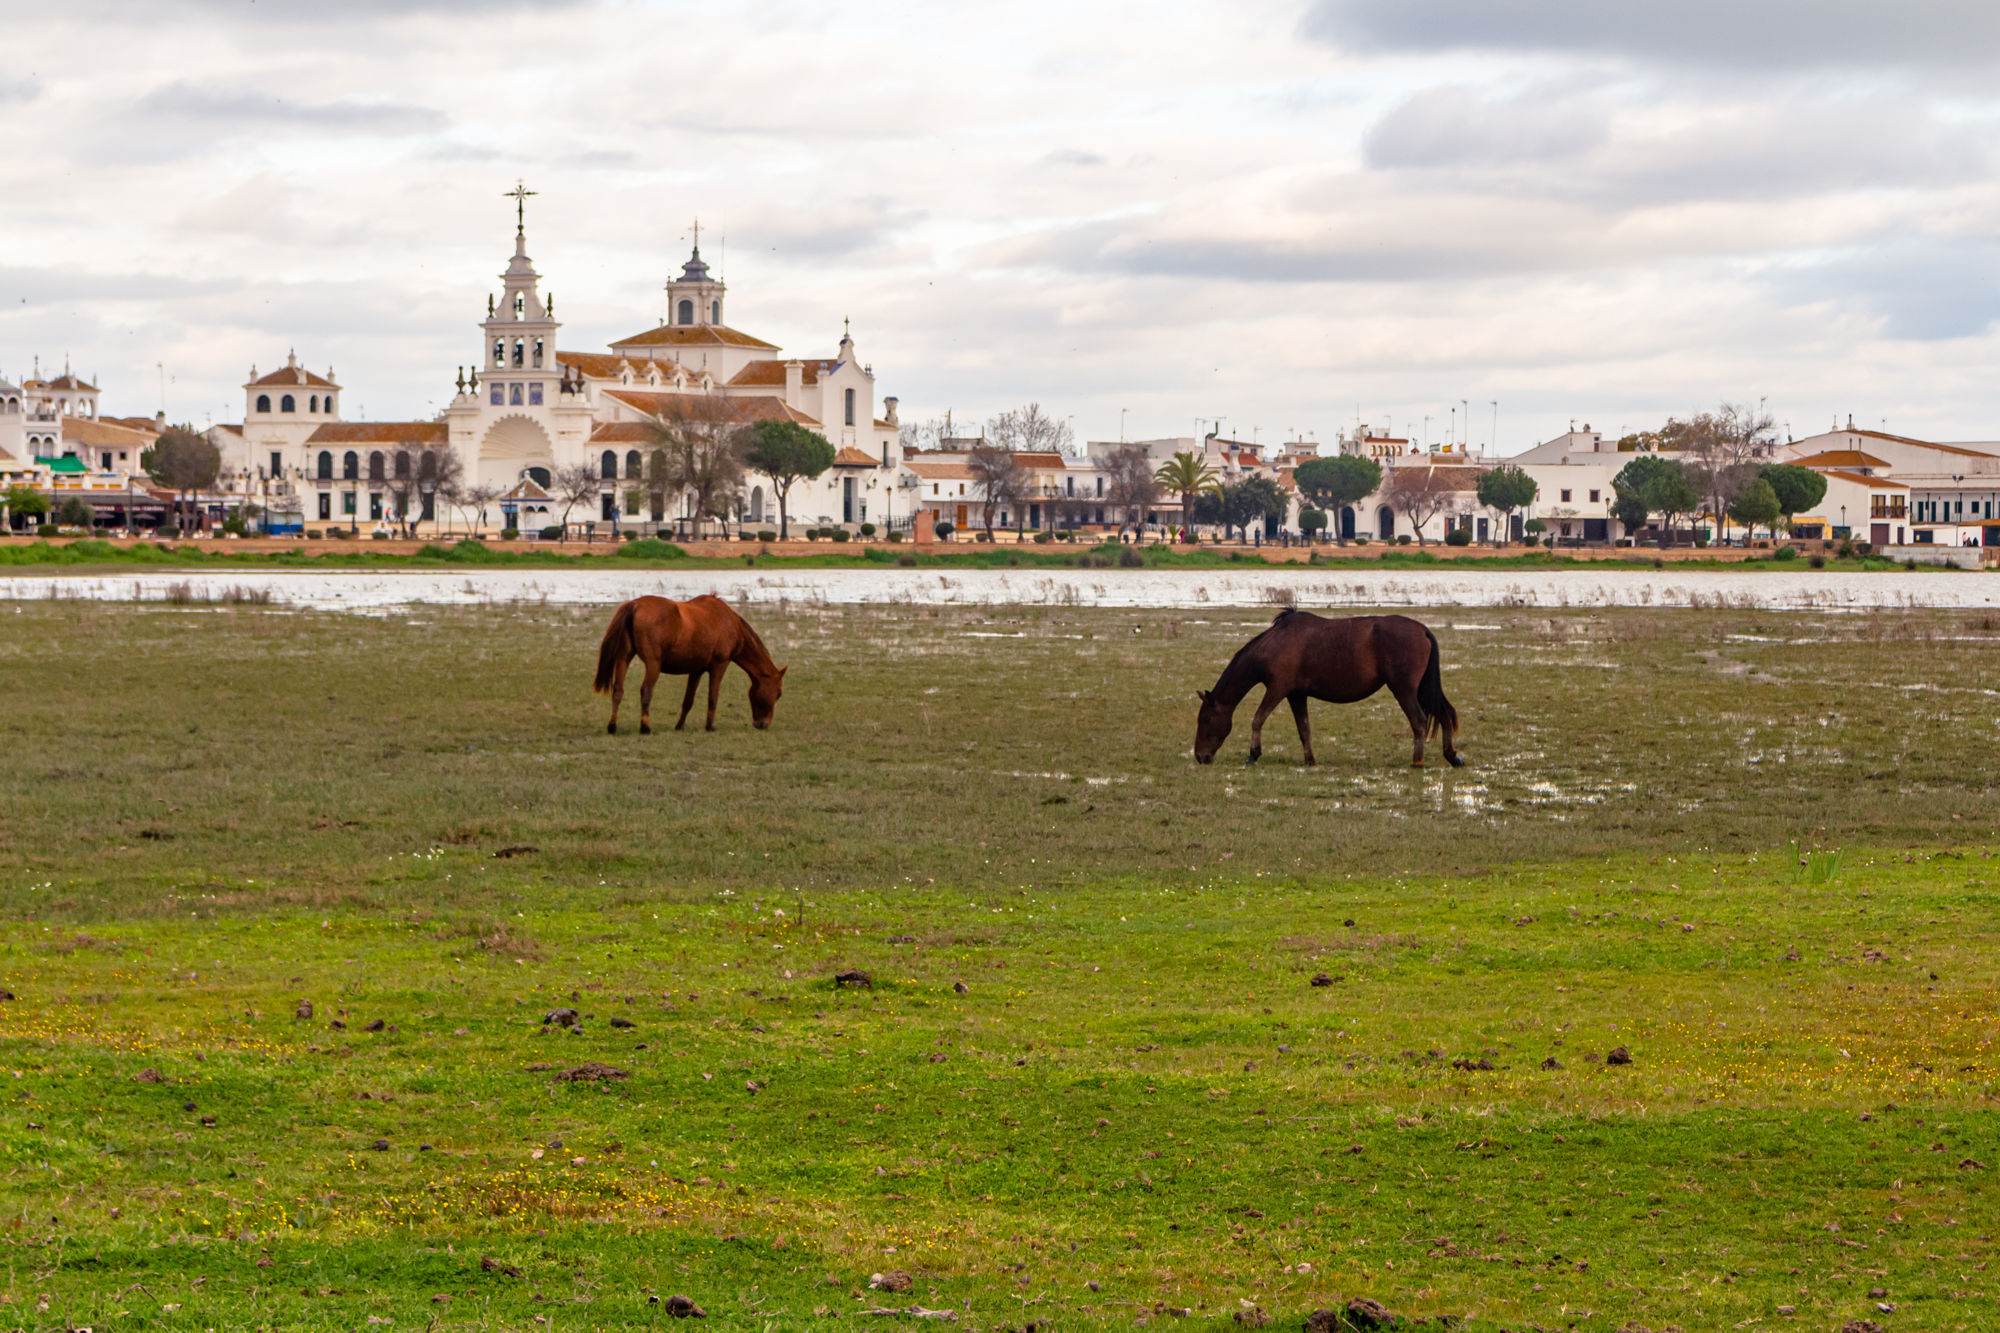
(1211, 727)
(764, 694)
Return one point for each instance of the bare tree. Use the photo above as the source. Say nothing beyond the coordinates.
(1002, 480)
(470, 499)
(573, 484)
(1029, 430)
(704, 457)
(1420, 494)
(1723, 451)
(1131, 486)
(929, 434)
(418, 471)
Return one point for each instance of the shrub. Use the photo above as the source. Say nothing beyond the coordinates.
(868, 529)
(1846, 548)
(944, 529)
(1785, 553)
(837, 534)
(1816, 561)
(1535, 527)
(553, 532)
(1360, 541)
(893, 536)
(629, 536)
(651, 548)
(1458, 537)
(1402, 539)
(509, 534)
(432, 551)
(983, 537)
(1129, 558)
(766, 535)
(812, 534)
(905, 559)
(1864, 548)
(314, 534)
(380, 535)
(1043, 538)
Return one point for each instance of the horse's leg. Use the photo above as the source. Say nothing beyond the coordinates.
(1264, 708)
(1298, 702)
(687, 701)
(617, 697)
(715, 691)
(646, 698)
(1420, 723)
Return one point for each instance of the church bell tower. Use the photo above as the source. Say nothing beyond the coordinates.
(694, 298)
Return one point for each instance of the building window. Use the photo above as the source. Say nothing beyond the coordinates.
(263, 402)
(326, 465)
(325, 506)
(312, 403)
(288, 404)
(277, 463)
(535, 394)
(1593, 496)
(850, 406)
(402, 465)
(374, 506)
(499, 351)
(538, 354)
(632, 465)
(498, 395)
(685, 314)
(375, 465)
(520, 351)
(326, 404)
(1100, 492)
(350, 467)
(1565, 500)
(607, 466)
(715, 312)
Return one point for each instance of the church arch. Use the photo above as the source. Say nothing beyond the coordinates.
(514, 445)
(607, 466)
(263, 402)
(375, 467)
(402, 465)
(715, 312)
(312, 403)
(632, 465)
(756, 504)
(685, 314)
(326, 465)
(1385, 523)
(350, 465)
(288, 404)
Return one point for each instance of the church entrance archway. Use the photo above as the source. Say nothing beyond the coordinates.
(514, 447)
(1385, 523)
(1347, 523)
(756, 504)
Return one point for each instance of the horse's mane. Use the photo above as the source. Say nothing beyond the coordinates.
(755, 639)
(1276, 621)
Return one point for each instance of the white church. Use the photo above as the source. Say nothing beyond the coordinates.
(526, 409)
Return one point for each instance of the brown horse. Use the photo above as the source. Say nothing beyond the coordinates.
(1304, 656)
(685, 639)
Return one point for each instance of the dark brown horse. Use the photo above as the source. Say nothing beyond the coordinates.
(685, 639)
(1304, 656)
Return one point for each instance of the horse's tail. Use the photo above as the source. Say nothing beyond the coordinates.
(617, 647)
(1430, 694)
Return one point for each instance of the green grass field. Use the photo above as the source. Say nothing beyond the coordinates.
(1093, 1082)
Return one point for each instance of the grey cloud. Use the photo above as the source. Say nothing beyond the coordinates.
(1447, 126)
(247, 110)
(840, 231)
(1757, 34)
(19, 90)
(1073, 157)
(1923, 289)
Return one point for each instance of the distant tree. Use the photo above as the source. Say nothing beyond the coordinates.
(417, 470)
(787, 453)
(1251, 500)
(704, 457)
(1001, 478)
(1187, 476)
(1132, 488)
(1335, 483)
(1312, 521)
(75, 512)
(1723, 451)
(1661, 485)
(1506, 488)
(930, 434)
(1629, 508)
(24, 501)
(1798, 488)
(572, 484)
(1029, 430)
(1420, 493)
(1755, 505)
(470, 499)
(183, 462)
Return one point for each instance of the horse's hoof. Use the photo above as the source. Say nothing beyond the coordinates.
(611, 728)
(645, 728)
(1416, 763)
(1310, 762)
(1457, 761)
(1255, 755)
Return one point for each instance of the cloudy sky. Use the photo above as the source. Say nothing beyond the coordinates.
(1281, 213)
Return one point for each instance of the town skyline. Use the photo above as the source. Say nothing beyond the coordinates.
(1285, 218)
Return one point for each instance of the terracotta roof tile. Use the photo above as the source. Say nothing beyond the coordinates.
(760, 407)
(1840, 458)
(294, 375)
(82, 430)
(693, 335)
(1878, 483)
(771, 374)
(624, 432)
(380, 432)
(849, 456)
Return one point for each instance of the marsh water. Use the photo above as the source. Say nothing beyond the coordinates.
(1805, 589)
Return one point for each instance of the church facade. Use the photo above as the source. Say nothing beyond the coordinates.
(526, 412)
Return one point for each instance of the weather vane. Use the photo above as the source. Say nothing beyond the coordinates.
(520, 194)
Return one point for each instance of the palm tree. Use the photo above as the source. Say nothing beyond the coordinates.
(1186, 475)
